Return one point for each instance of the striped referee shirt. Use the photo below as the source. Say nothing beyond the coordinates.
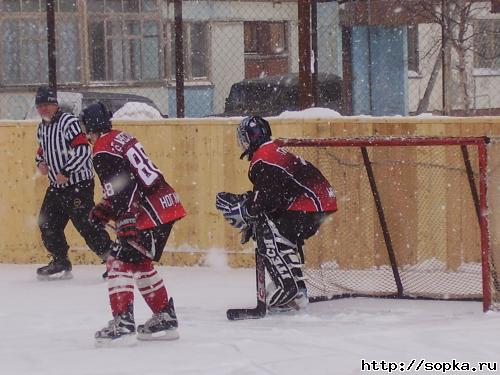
(65, 149)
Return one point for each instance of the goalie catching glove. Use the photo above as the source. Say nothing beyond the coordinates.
(233, 208)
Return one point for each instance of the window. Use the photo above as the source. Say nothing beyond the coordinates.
(487, 44)
(23, 48)
(30, 6)
(122, 6)
(124, 39)
(68, 48)
(24, 51)
(265, 38)
(266, 51)
(195, 37)
(413, 52)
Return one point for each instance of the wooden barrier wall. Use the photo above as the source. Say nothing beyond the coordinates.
(199, 157)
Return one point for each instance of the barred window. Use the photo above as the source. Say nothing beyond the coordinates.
(23, 48)
(487, 44)
(195, 36)
(124, 40)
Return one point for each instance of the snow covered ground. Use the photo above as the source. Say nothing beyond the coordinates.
(48, 327)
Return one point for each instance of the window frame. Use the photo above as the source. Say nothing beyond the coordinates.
(486, 44)
(263, 39)
(39, 17)
(41, 7)
(169, 49)
(107, 17)
(85, 75)
(413, 54)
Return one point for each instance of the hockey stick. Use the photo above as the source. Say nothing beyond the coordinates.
(134, 244)
(260, 310)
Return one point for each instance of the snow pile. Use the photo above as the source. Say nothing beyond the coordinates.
(310, 113)
(137, 111)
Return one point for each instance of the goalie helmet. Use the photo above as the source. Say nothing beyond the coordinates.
(252, 132)
(95, 118)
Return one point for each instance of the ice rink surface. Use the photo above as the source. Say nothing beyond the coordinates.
(47, 329)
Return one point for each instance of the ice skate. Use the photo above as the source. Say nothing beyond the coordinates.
(299, 303)
(119, 332)
(57, 269)
(162, 326)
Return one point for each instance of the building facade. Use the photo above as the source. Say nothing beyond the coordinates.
(127, 46)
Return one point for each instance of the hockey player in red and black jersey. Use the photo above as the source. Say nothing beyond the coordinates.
(289, 201)
(144, 208)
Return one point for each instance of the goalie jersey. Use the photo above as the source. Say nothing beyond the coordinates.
(132, 183)
(284, 181)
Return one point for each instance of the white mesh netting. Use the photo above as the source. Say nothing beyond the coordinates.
(428, 205)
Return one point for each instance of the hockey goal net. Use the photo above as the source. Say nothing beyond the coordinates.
(413, 219)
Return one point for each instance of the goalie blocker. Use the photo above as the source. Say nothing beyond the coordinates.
(289, 201)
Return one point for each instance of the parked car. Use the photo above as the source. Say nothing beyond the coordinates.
(74, 102)
(271, 95)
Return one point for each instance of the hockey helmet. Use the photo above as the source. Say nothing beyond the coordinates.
(252, 132)
(96, 118)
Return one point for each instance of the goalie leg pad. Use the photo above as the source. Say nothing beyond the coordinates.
(282, 260)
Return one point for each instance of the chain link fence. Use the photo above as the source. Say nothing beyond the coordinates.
(239, 57)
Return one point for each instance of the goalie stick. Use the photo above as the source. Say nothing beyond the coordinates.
(260, 310)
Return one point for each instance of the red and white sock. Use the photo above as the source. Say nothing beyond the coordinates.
(151, 286)
(120, 285)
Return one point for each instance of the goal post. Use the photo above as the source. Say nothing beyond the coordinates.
(413, 219)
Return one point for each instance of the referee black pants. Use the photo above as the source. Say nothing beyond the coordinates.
(70, 203)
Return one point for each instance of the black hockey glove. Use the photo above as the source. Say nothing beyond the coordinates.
(233, 208)
(126, 227)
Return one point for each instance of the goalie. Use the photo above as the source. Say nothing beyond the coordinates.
(289, 201)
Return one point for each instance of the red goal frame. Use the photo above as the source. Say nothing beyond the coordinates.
(480, 197)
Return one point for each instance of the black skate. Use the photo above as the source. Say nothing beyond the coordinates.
(299, 303)
(57, 269)
(162, 326)
(119, 332)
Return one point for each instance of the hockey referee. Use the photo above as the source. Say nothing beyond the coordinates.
(64, 155)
